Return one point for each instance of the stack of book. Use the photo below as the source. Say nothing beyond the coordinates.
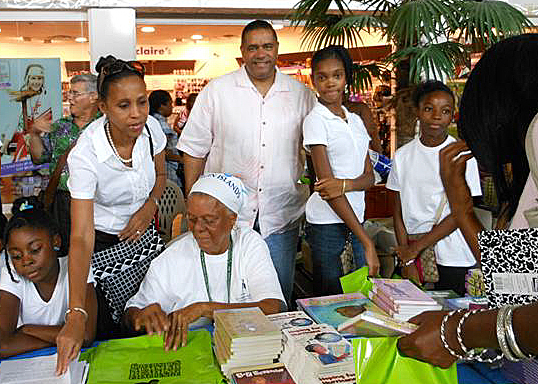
(337, 309)
(245, 337)
(467, 302)
(474, 282)
(442, 296)
(274, 373)
(315, 353)
(401, 299)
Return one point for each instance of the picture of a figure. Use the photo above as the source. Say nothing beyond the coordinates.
(350, 310)
(324, 355)
(36, 110)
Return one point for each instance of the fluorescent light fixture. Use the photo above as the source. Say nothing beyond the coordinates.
(197, 37)
(81, 39)
(278, 26)
(147, 29)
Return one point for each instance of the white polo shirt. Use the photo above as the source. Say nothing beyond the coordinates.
(347, 147)
(117, 191)
(175, 278)
(258, 138)
(415, 175)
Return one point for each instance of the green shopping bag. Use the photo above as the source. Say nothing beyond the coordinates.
(377, 360)
(357, 281)
(141, 360)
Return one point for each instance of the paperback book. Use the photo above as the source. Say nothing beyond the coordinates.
(337, 309)
(274, 373)
(371, 324)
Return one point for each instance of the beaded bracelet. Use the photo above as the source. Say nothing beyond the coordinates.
(472, 354)
(501, 334)
(77, 309)
(510, 335)
(443, 337)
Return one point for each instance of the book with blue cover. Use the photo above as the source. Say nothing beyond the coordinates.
(337, 309)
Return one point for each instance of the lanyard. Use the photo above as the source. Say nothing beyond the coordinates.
(228, 270)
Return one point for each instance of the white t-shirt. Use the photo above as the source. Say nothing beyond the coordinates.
(175, 278)
(117, 191)
(32, 308)
(259, 137)
(415, 174)
(347, 148)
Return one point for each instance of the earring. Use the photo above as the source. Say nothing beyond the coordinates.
(56, 248)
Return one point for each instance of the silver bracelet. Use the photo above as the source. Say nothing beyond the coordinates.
(473, 354)
(501, 334)
(77, 309)
(510, 335)
(443, 337)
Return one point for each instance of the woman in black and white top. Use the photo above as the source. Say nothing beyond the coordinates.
(117, 175)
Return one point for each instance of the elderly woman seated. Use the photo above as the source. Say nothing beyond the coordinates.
(214, 266)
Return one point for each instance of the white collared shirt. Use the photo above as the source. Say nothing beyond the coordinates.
(258, 138)
(96, 174)
(347, 147)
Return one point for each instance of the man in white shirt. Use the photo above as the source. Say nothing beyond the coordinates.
(249, 122)
(215, 266)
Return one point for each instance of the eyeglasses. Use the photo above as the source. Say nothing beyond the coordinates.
(75, 94)
(117, 67)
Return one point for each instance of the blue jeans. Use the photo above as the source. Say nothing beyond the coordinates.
(283, 249)
(327, 242)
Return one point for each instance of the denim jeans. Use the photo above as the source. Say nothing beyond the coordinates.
(327, 242)
(283, 249)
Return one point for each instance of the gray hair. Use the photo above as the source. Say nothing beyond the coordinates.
(89, 79)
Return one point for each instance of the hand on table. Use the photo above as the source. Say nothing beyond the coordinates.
(179, 325)
(425, 343)
(329, 188)
(139, 222)
(452, 164)
(152, 319)
(69, 341)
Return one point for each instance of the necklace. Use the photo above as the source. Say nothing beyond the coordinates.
(228, 271)
(107, 130)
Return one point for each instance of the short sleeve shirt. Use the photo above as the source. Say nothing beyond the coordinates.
(253, 277)
(96, 174)
(347, 147)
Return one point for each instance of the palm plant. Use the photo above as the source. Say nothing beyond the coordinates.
(428, 34)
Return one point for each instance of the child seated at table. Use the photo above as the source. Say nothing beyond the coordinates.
(34, 286)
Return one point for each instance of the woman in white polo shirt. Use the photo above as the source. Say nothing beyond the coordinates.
(338, 143)
(117, 175)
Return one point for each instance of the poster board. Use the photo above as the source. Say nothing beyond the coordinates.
(30, 99)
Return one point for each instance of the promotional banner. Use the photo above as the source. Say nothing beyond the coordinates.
(30, 100)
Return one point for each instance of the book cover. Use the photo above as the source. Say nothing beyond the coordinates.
(336, 309)
(326, 350)
(467, 302)
(338, 378)
(401, 292)
(370, 324)
(293, 319)
(270, 374)
(242, 325)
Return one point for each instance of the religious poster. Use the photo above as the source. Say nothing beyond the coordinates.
(30, 100)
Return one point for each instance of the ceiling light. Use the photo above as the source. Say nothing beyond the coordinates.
(0, 29)
(278, 26)
(197, 37)
(81, 39)
(147, 29)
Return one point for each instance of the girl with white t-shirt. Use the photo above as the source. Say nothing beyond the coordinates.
(421, 207)
(34, 286)
(338, 144)
(116, 178)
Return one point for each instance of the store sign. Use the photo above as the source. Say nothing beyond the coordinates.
(153, 50)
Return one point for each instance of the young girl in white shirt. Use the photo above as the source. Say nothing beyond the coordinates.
(34, 286)
(421, 208)
(338, 144)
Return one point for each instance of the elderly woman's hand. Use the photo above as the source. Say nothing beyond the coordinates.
(425, 343)
(452, 165)
(139, 222)
(179, 324)
(153, 319)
